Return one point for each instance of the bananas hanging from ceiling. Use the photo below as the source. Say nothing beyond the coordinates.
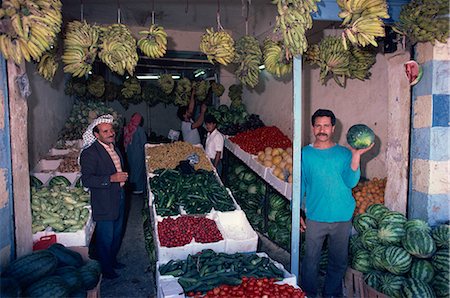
(80, 48)
(154, 42)
(312, 54)
(249, 58)
(293, 20)
(235, 94)
(424, 20)
(201, 89)
(131, 87)
(166, 83)
(47, 66)
(362, 21)
(276, 58)
(96, 85)
(118, 49)
(361, 61)
(183, 92)
(217, 88)
(218, 46)
(29, 28)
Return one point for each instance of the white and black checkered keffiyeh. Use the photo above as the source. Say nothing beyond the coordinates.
(88, 135)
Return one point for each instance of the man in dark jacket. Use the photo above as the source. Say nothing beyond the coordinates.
(101, 169)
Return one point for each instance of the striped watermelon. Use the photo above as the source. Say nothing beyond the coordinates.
(419, 244)
(391, 284)
(355, 244)
(441, 260)
(441, 284)
(361, 261)
(369, 239)
(422, 270)
(363, 221)
(417, 224)
(372, 279)
(391, 234)
(377, 257)
(392, 217)
(377, 210)
(59, 180)
(441, 235)
(415, 288)
(35, 182)
(397, 260)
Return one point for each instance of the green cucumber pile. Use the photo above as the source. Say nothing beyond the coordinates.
(206, 270)
(196, 193)
(63, 209)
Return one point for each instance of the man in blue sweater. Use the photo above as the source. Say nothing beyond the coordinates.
(329, 172)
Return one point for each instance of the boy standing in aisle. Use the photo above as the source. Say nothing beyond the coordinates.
(214, 143)
(329, 172)
(189, 128)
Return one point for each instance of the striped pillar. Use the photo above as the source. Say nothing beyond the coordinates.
(430, 136)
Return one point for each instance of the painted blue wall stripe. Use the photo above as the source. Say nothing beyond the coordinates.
(435, 79)
(441, 110)
(432, 208)
(420, 148)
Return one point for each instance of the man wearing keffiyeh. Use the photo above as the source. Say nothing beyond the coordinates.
(102, 172)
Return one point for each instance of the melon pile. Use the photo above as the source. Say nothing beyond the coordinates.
(280, 160)
(400, 257)
(369, 192)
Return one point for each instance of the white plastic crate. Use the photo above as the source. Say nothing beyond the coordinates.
(43, 177)
(58, 152)
(47, 166)
(288, 278)
(169, 288)
(72, 177)
(277, 183)
(257, 167)
(241, 154)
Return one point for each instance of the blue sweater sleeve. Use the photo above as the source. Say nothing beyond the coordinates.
(350, 177)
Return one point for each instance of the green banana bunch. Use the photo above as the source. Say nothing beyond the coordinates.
(217, 88)
(276, 58)
(424, 21)
(312, 54)
(235, 92)
(361, 61)
(112, 91)
(80, 48)
(29, 28)
(118, 49)
(183, 92)
(218, 46)
(201, 89)
(76, 87)
(362, 21)
(166, 83)
(293, 20)
(152, 94)
(131, 88)
(154, 42)
(96, 85)
(249, 58)
(47, 66)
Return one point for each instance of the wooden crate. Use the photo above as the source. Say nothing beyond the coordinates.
(370, 292)
(354, 283)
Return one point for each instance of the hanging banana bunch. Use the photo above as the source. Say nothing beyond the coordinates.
(218, 46)
(80, 48)
(154, 42)
(131, 87)
(293, 20)
(201, 89)
(166, 83)
(118, 49)
(96, 86)
(29, 28)
(276, 58)
(217, 88)
(312, 54)
(249, 58)
(183, 92)
(424, 20)
(362, 21)
(361, 61)
(47, 66)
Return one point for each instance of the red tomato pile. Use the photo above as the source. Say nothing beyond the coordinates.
(253, 141)
(180, 231)
(253, 288)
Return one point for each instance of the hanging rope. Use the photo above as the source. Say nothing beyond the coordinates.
(246, 17)
(81, 11)
(219, 25)
(118, 11)
(153, 13)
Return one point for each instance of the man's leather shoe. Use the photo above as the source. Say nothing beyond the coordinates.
(110, 275)
(119, 265)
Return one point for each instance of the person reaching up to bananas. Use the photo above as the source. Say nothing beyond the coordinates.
(189, 128)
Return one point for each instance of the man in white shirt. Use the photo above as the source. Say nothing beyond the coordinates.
(189, 128)
(214, 143)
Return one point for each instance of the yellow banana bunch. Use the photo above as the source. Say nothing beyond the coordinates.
(183, 92)
(47, 66)
(32, 28)
(424, 20)
(218, 46)
(154, 42)
(131, 87)
(96, 85)
(334, 58)
(362, 21)
(80, 48)
(249, 58)
(118, 49)
(276, 59)
(166, 83)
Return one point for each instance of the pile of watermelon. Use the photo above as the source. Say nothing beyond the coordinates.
(400, 257)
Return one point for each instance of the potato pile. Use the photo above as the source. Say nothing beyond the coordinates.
(168, 156)
(369, 192)
(279, 160)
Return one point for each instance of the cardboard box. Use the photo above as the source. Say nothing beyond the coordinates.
(84, 252)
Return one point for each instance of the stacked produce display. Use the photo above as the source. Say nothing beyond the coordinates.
(369, 192)
(400, 257)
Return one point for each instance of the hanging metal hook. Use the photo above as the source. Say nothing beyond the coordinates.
(81, 11)
(219, 25)
(153, 13)
(118, 11)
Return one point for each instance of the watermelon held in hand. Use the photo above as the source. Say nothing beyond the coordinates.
(360, 136)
